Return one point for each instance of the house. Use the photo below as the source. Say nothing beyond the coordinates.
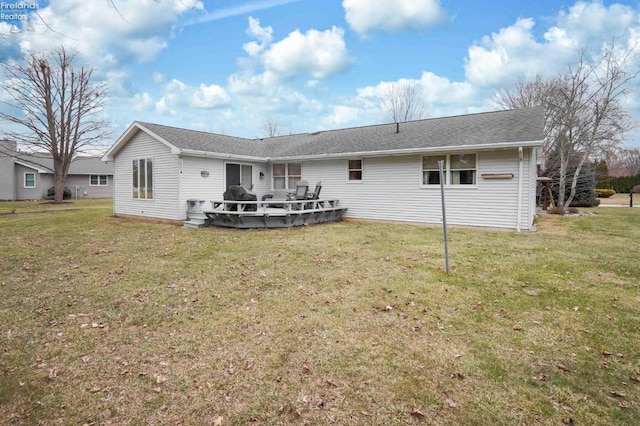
(380, 172)
(28, 176)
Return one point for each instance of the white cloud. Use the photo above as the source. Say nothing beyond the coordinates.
(135, 30)
(511, 51)
(392, 15)
(514, 52)
(342, 116)
(263, 34)
(209, 97)
(318, 53)
(271, 65)
(177, 96)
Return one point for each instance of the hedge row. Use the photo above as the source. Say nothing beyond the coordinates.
(625, 183)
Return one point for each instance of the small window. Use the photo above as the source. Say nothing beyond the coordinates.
(355, 170)
(143, 178)
(431, 169)
(98, 180)
(463, 169)
(29, 180)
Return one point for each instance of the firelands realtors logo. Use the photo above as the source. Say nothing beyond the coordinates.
(16, 12)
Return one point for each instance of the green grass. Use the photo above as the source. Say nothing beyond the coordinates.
(109, 321)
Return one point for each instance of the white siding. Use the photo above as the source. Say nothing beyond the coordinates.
(391, 190)
(164, 204)
(533, 185)
(194, 186)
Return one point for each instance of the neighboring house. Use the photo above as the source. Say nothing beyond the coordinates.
(380, 172)
(28, 176)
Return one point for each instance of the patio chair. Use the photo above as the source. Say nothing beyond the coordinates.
(316, 192)
(302, 187)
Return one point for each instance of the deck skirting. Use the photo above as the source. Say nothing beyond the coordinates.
(259, 214)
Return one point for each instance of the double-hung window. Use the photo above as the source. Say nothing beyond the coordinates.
(354, 170)
(29, 180)
(459, 169)
(98, 180)
(143, 178)
(285, 175)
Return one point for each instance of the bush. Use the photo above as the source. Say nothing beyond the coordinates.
(66, 193)
(605, 193)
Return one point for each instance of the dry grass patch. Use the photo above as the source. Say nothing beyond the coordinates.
(108, 321)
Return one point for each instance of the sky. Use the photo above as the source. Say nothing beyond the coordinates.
(306, 65)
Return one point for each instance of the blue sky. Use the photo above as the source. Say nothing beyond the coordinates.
(229, 66)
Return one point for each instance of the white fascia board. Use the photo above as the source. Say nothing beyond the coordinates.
(384, 153)
(128, 134)
(222, 156)
(33, 167)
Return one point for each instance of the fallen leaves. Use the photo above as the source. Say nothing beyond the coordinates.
(417, 413)
(450, 401)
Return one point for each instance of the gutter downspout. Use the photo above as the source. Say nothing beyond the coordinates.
(520, 177)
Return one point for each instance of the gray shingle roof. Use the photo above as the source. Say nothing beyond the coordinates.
(79, 166)
(471, 130)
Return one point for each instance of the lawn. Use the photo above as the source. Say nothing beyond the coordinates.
(105, 321)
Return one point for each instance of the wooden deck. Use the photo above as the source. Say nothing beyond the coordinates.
(265, 214)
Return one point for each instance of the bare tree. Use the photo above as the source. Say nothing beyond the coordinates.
(402, 101)
(601, 122)
(623, 162)
(56, 107)
(271, 128)
(585, 115)
(536, 93)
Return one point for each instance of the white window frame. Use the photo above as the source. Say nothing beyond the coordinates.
(137, 195)
(287, 176)
(98, 178)
(34, 180)
(349, 170)
(448, 172)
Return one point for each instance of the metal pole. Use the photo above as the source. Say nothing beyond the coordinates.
(444, 215)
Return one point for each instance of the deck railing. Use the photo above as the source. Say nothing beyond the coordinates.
(272, 213)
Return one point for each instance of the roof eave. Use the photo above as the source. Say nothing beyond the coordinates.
(397, 152)
(39, 169)
(221, 155)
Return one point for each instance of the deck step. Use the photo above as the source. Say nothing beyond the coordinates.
(193, 223)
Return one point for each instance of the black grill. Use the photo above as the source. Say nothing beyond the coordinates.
(240, 193)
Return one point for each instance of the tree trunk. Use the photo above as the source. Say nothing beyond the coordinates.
(563, 180)
(574, 181)
(59, 185)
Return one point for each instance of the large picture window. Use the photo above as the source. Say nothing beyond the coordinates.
(143, 178)
(98, 180)
(285, 175)
(459, 169)
(354, 170)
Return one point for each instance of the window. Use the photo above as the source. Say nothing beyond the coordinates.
(355, 170)
(285, 175)
(431, 169)
(29, 180)
(239, 174)
(459, 169)
(143, 178)
(463, 169)
(98, 180)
